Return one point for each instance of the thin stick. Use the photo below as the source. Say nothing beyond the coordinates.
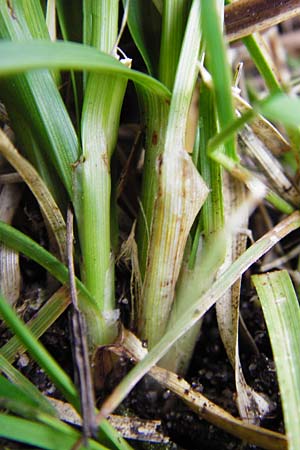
(80, 348)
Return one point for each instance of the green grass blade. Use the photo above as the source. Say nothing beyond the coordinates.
(22, 402)
(23, 387)
(39, 353)
(36, 97)
(251, 181)
(259, 58)
(17, 57)
(107, 434)
(281, 108)
(40, 323)
(22, 243)
(282, 314)
(219, 68)
(39, 97)
(278, 107)
(41, 435)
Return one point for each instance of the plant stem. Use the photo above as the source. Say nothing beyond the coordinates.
(193, 278)
(263, 63)
(155, 115)
(181, 192)
(100, 119)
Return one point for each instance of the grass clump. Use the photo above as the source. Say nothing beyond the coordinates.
(202, 159)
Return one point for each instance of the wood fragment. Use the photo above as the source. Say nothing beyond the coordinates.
(129, 427)
(10, 178)
(263, 128)
(248, 16)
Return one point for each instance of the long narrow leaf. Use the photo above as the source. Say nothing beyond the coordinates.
(36, 98)
(278, 107)
(23, 386)
(22, 243)
(17, 57)
(219, 67)
(41, 435)
(39, 189)
(40, 323)
(282, 313)
(37, 350)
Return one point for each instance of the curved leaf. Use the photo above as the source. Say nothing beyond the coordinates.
(41, 435)
(39, 189)
(22, 243)
(18, 387)
(282, 314)
(18, 57)
(39, 353)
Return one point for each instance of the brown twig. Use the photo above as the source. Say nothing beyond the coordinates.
(248, 16)
(80, 348)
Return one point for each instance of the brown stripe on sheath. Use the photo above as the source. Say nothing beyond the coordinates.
(247, 16)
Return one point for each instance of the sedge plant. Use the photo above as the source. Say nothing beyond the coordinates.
(186, 221)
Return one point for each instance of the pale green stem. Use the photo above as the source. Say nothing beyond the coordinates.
(193, 278)
(155, 114)
(100, 119)
(180, 194)
(155, 117)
